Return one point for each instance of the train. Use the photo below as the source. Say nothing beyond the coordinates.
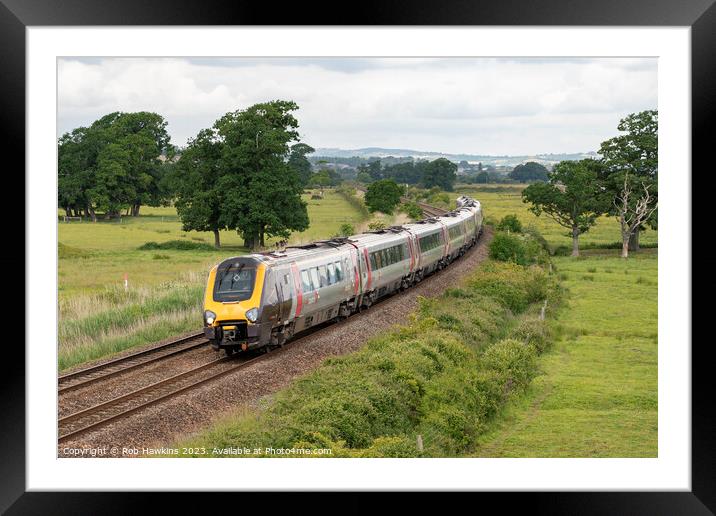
(262, 300)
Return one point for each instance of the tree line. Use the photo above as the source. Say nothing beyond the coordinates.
(440, 172)
(245, 173)
(623, 183)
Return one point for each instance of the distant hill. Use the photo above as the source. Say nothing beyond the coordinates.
(509, 161)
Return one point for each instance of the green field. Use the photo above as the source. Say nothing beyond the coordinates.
(597, 394)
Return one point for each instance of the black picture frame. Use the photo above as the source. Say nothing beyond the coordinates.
(16, 15)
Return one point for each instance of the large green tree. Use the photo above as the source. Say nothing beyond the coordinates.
(262, 193)
(529, 172)
(440, 172)
(631, 175)
(572, 197)
(113, 164)
(383, 195)
(196, 182)
(299, 162)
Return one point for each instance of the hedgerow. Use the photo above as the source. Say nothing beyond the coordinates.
(176, 245)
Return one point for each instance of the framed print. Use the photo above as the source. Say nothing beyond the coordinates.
(422, 246)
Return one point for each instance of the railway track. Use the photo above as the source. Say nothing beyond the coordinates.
(430, 211)
(101, 414)
(86, 420)
(90, 375)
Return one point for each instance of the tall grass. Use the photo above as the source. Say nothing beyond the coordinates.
(96, 325)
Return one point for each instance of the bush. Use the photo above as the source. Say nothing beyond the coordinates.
(412, 210)
(514, 286)
(534, 233)
(508, 248)
(510, 223)
(346, 230)
(533, 331)
(376, 225)
(514, 362)
(176, 245)
(523, 249)
(562, 250)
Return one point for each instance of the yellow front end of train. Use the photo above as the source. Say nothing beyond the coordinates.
(232, 304)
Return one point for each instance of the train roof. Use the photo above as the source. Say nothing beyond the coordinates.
(465, 208)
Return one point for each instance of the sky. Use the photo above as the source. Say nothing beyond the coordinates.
(486, 106)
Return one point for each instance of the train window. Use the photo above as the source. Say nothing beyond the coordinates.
(331, 268)
(306, 281)
(430, 242)
(339, 271)
(234, 283)
(324, 276)
(315, 279)
(373, 263)
(454, 232)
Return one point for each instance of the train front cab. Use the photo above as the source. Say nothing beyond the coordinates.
(232, 305)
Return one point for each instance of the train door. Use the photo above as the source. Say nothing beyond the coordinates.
(366, 273)
(446, 239)
(286, 300)
(354, 271)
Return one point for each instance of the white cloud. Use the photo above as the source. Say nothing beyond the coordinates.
(485, 106)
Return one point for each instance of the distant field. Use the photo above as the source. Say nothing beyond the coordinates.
(500, 200)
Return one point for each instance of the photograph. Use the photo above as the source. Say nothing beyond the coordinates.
(412, 249)
(357, 257)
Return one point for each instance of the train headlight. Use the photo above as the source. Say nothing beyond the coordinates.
(209, 317)
(252, 314)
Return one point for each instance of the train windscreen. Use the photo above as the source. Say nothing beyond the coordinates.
(234, 282)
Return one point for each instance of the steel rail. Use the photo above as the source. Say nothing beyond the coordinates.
(90, 375)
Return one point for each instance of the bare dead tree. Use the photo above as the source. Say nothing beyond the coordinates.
(631, 216)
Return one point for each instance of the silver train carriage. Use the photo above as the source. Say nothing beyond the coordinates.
(263, 299)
